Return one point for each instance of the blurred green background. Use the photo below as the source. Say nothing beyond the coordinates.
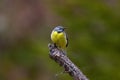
(93, 31)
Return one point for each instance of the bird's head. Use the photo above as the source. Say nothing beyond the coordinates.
(59, 29)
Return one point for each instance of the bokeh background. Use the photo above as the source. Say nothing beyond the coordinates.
(93, 28)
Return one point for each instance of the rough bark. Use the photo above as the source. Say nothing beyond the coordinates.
(62, 59)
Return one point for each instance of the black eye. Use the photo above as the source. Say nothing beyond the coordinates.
(62, 29)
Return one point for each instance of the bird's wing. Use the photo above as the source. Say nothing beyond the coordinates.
(67, 40)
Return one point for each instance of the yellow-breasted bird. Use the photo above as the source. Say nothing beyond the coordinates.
(59, 38)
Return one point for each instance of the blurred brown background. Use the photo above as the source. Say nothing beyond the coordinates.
(93, 31)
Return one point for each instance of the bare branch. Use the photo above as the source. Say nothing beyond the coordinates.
(58, 56)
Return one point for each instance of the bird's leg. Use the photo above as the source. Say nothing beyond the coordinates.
(55, 45)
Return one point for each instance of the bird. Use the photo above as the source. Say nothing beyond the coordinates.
(59, 37)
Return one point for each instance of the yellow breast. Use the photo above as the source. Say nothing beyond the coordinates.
(59, 39)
